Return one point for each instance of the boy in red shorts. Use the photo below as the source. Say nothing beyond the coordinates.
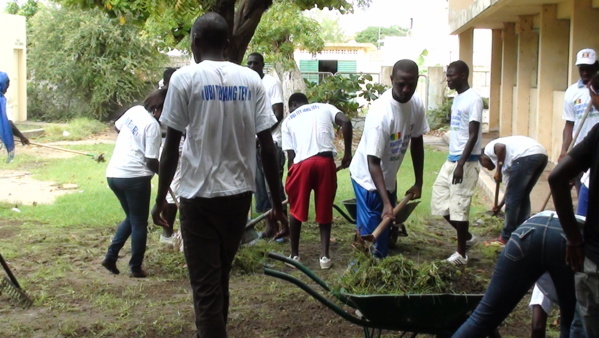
(308, 136)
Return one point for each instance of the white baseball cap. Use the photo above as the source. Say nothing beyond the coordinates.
(586, 56)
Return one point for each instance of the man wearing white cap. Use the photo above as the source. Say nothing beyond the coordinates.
(577, 99)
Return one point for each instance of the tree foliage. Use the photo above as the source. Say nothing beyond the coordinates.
(171, 19)
(84, 63)
(330, 28)
(28, 9)
(371, 34)
(343, 91)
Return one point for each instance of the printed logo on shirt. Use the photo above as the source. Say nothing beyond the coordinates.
(302, 109)
(129, 124)
(578, 101)
(456, 119)
(226, 93)
(398, 146)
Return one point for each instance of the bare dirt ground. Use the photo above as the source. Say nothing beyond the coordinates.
(75, 296)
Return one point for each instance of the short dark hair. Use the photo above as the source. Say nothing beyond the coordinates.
(155, 100)
(212, 29)
(299, 98)
(258, 55)
(461, 67)
(168, 72)
(405, 65)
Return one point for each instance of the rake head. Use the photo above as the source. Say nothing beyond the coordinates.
(100, 158)
(16, 294)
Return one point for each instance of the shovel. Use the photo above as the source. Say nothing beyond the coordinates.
(98, 158)
(385, 223)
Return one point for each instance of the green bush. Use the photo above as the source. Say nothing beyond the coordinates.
(86, 64)
(439, 118)
(343, 90)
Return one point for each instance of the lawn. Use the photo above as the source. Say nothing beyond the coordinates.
(55, 251)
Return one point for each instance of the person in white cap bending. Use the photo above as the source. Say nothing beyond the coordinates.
(577, 98)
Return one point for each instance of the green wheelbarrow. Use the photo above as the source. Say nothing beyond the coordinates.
(436, 314)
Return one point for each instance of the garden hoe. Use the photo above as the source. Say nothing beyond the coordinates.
(584, 118)
(401, 212)
(97, 158)
(12, 288)
(250, 234)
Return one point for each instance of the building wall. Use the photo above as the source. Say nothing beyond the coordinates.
(539, 40)
(13, 56)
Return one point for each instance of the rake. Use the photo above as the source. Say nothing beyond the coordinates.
(98, 158)
(12, 288)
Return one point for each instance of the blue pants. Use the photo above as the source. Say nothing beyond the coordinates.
(262, 195)
(369, 208)
(524, 174)
(536, 247)
(583, 200)
(134, 195)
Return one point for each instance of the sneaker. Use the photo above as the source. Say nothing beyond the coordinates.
(457, 259)
(471, 242)
(167, 240)
(498, 242)
(325, 263)
(295, 258)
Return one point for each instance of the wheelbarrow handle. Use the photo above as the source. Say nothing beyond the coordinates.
(300, 267)
(385, 223)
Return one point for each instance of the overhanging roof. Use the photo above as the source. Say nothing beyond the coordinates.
(492, 13)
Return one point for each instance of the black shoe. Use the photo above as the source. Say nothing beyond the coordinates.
(110, 266)
(139, 274)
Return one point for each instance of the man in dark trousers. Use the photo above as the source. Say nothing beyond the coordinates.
(222, 106)
(582, 251)
(274, 92)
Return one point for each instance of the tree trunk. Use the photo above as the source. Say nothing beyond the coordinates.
(291, 80)
(242, 24)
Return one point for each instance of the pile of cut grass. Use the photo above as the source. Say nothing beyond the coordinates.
(400, 275)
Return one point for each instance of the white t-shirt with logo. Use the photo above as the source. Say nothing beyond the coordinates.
(309, 130)
(221, 106)
(274, 92)
(388, 129)
(466, 107)
(515, 148)
(576, 100)
(139, 138)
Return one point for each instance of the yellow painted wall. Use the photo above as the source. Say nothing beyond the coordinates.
(13, 62)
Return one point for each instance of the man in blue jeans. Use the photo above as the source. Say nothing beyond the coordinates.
(520, 161)
(535, 247)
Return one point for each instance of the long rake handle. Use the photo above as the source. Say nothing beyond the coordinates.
(62, 149)
(584, 118)
(385, 223)
(12, 277)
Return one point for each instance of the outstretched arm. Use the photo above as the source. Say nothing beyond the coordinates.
(458, 173)
(346, 129)
(559, 180)
(17, 133)
(417, 151)
(500, 151)
(271, 173)
(168, 165)
(376, 172)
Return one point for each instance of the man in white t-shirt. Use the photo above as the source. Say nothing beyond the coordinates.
(222, 107)
(519, 161)
(129, 173)
(274, 92)
(394, 121)
(455, 184)
(577, 99)
(308, 137)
